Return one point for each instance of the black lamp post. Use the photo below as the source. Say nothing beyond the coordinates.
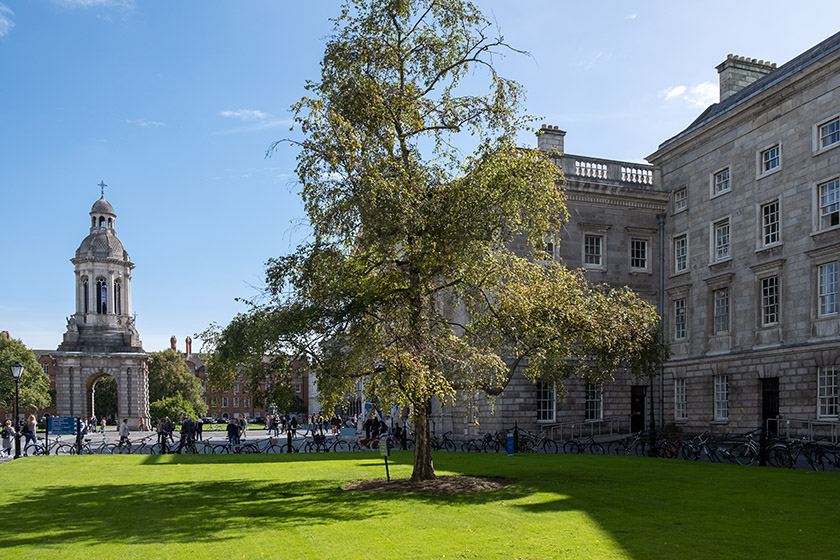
(17, 373)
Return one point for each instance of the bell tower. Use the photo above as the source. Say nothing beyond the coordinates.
(101, 339)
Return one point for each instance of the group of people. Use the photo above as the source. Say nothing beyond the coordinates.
(190, 432)
(25, 428)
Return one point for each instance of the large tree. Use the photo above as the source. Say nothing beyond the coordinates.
(34, 385)
(169, 377)
(409, 282)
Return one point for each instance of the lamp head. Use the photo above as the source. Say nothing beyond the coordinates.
(17, 370)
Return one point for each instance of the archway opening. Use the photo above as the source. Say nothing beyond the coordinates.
(103, 398)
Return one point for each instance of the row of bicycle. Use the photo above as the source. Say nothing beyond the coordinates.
(153, 445)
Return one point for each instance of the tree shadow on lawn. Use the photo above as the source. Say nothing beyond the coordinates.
(188, 512)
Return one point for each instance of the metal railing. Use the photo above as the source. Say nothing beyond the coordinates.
(580, 429)
(815, 430)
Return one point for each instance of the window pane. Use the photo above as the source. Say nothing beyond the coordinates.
(721, 305)
(638, 253)
(828, 400)
(679, 399)
(679, 319)
(722, 181)
(592, 250)
(770, 300)
(771, 158)
(722, 240)
(721, 398)
(680, 254)
(770, 223)
(830, 204)
(828, 288)
(830, 133)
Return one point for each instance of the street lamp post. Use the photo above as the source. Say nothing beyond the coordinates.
(17, 373)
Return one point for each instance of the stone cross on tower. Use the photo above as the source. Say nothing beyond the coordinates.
(102, 186)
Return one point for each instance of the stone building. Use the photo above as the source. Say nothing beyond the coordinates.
(101, 339)
(614, 233)
(753, 228)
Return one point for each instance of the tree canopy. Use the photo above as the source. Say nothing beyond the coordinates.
(169, 377)
(34, 385)
(410, 281)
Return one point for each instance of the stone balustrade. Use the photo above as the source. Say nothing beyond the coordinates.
(634, 175)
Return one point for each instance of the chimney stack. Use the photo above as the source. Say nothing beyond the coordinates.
(189, 346)
(173, 343)
(737, 72)
(550, 138)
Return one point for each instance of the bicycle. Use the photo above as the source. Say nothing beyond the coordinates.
(236, 448)
(787, 455)
(444, 443)
(575, 446)
(37, 448)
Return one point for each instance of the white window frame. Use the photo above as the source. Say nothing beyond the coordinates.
(587, 237)
(827, 288)
(721, 398)
(594, 402)
(680, 405)
(827, 214)
(680, 318)
(636, 260)
(770, 225)
(720, 310)
(679, 245)
(680, 200)
(46, 367)
(826, 134)
(224, 402)
(770, 300)
(721, 240)
(828, 396)
(236, 401)
(546, 402)
(764, 157)
(720, 182)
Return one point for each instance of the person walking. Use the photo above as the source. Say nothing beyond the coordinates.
(199, 429)
(243, 427)
(233, 432)
(29, 429)
(124, 433)
(102, 424)
(7, 435)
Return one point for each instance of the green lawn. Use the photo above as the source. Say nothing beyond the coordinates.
(281, 506)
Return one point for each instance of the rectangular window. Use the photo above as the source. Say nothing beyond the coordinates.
(721, 234)
(680, 254)
(224, 402)
(297, 387)
(771, 159)
(680, 199)
(828, 399)
(769, 300)
(770, 227)
(235, 402)
(638, 254)
(721, 304)
(546, 402)
(829, 194)
(549, 250)
(594, 401)
(680, 411)
(679, 319)
(236, 387)
(247, 402)
(721, 398)
(721, 182)
(828, 289)
(592, 250)
(46, 368)
(829, 133)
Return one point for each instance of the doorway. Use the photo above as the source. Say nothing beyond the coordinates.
(770, 403)
(637, 407)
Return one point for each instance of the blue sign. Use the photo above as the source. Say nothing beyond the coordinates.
(62, 425)
(510, 443)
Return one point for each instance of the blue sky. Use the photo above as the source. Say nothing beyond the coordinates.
(173, 105)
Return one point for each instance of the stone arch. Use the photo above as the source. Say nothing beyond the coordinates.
(98, 380)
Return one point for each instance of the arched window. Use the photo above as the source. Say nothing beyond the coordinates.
(110, 223)
(86, 296)
(117, 297)
(101, 221)
(92, 221)
(101, 297)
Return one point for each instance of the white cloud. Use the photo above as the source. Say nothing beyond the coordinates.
(631, 16)
(144, 123)
(128, 4)
(246, 115)
(6, 23)
(590, 60)
(701, 95)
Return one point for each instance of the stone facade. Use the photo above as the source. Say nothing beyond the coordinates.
(754, 245)
(101, 339)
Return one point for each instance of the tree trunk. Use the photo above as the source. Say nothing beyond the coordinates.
(423, 467)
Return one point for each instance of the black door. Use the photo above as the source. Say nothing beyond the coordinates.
(770, 402)
(637, 407)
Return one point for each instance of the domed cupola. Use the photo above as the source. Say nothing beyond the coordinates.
(102, 243)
